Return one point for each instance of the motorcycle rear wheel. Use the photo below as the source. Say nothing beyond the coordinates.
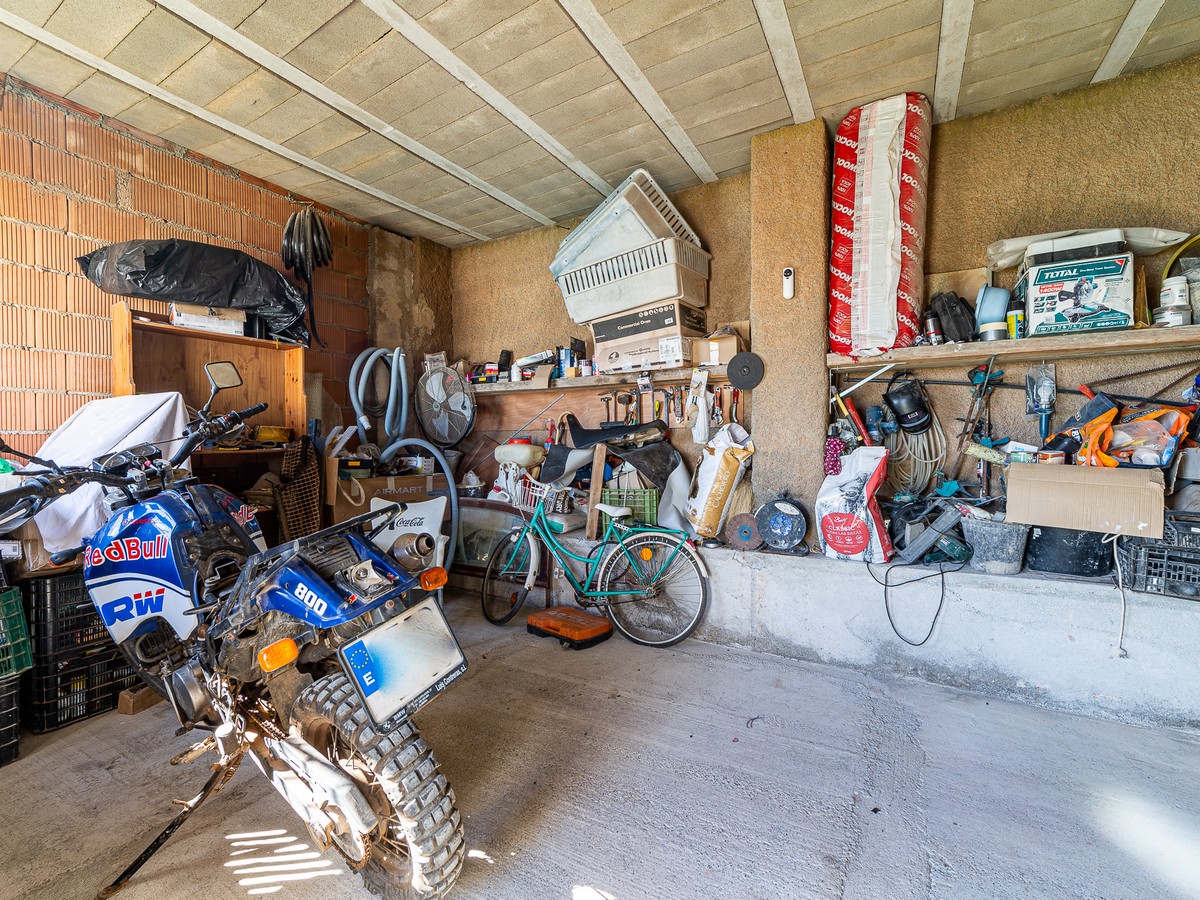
(418, 852)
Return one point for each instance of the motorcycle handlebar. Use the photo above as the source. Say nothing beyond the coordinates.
(213, 428)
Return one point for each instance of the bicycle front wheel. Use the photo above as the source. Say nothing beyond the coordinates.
(504, 581)
(662, 585)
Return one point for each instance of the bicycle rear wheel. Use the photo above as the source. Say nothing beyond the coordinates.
(504, 581)
(668, 590)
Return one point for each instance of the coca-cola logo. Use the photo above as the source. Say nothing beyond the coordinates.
(846, 533)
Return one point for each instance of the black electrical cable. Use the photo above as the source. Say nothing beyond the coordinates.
(887, 586)
(306, 247)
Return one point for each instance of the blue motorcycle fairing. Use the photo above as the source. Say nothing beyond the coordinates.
(241, 513)
(135, 568)
(297, 590)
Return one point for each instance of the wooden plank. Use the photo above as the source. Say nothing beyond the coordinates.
(1031, 350)
(294, 401)
(122, 350)
(136, 699)
(597, 485)
(167, 328)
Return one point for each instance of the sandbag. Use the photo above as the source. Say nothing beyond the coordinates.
(181, 271)
(877, 249)
(722, 463)
(849, 522)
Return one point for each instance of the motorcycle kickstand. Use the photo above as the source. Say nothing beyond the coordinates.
(214, 784)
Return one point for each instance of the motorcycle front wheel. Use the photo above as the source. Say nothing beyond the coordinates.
(418, 850)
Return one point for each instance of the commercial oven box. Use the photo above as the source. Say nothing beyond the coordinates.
(660, 335)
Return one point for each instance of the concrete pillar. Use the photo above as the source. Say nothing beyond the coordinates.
(789, 210)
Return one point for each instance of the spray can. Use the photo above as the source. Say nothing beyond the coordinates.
(1015, 318)
(931, 326)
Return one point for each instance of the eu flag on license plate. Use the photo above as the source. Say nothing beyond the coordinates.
(362, 666)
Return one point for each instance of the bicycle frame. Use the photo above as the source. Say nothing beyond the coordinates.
(613, 534)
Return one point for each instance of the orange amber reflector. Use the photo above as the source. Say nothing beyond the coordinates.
(278, 655)
(647, 554)
(432, 579)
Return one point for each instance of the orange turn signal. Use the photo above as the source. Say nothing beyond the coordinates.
(432, 579)
(278, 655)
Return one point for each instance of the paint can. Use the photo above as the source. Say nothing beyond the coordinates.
(1174, 293)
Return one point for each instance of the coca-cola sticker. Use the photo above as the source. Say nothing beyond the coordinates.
(845, 532)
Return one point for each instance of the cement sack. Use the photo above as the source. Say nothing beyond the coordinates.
(723, 461)
(877, 252)
(849, 523)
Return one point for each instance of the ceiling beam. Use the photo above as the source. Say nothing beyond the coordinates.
(610, 48)
(777, 29)
(952, 56)
(1137, 22)
(101, 65)
(408, 27)
(198, 18)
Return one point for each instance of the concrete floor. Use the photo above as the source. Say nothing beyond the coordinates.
(633, 773)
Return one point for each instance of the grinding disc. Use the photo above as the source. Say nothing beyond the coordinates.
(745, 371)
(781, 523)
(741, 531)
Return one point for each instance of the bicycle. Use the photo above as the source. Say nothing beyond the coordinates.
(648, 580)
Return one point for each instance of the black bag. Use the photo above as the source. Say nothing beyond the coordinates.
(955, 316)
(190, 272)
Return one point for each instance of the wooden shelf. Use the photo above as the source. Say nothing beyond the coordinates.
(1030, 350)
(140, 324)
(618, 379)
(153, 356)
(234, 454)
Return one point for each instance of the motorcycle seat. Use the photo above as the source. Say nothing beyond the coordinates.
(614, 512)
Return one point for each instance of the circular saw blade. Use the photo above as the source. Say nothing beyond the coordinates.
(741, 531)
(781, 524)
(745, 371)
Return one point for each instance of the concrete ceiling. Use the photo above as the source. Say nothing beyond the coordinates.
(464, 120)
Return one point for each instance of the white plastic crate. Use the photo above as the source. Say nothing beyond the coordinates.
(665, 270)
(637, 213)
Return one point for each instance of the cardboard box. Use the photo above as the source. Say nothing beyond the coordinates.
(718, 351)
(1087, 295)
(660, 335)
(400, 488)
(204, 318)
(1087, 498)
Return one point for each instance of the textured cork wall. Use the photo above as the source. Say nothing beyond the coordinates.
(789, 195)
(409, 284)
(72, 181)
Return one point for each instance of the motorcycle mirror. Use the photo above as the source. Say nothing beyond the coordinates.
(222, 375)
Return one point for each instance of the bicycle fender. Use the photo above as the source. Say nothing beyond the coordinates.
(535, 559)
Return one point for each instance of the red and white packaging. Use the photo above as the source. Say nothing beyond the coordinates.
(849, 522)
(877, 252)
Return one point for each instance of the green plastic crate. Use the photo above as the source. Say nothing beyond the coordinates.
(15, 655)
(643, 502)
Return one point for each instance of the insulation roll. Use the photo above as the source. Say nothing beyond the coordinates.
(880, 168)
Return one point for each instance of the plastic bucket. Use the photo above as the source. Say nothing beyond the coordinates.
(1065, 551)
(999, 547)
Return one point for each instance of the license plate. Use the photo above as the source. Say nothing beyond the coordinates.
(404, 663)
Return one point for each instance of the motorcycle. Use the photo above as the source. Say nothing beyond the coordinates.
(310, 658)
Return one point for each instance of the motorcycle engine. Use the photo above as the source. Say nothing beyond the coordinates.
(190, 693)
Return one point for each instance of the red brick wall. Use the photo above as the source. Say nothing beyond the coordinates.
(71, 181)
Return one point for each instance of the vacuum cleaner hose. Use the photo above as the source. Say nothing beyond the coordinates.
(394, 414)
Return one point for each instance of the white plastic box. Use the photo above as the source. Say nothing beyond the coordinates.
(667, 270)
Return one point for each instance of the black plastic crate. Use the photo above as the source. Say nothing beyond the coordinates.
(10, 721)
(73, 686)
(1170, 565)
(61, 616)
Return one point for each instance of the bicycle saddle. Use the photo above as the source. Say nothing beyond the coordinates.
(628, 435)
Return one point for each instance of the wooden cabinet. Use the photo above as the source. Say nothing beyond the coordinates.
(149, 357)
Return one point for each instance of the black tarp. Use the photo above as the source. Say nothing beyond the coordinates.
(190, 272)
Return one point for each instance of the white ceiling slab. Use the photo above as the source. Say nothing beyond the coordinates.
(464, 120)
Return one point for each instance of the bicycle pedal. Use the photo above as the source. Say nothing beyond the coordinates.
(575, 628)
